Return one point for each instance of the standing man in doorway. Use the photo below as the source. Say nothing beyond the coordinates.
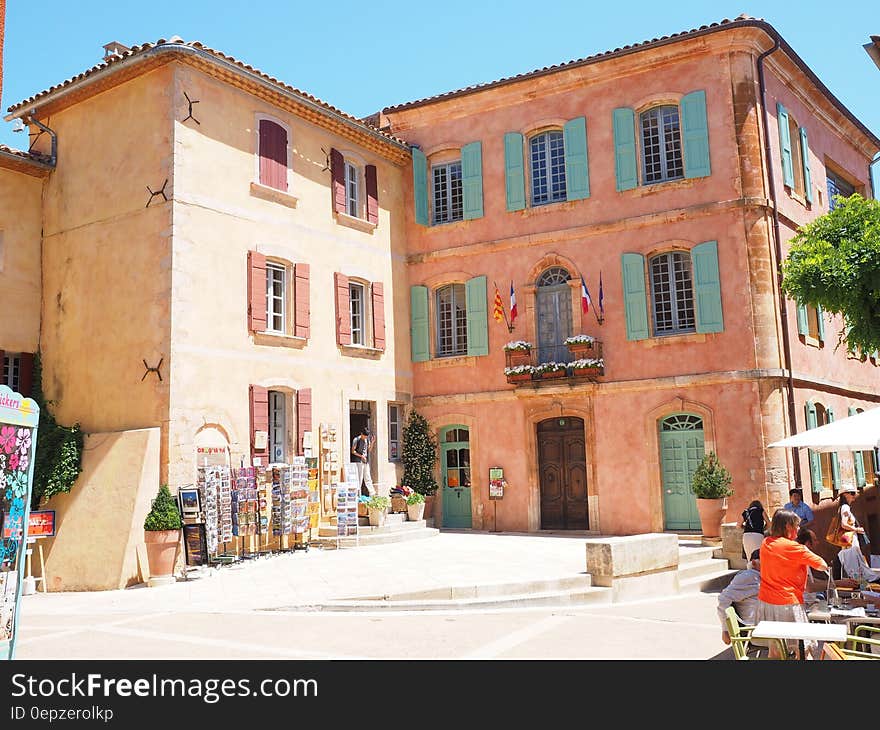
(360, 455)
(800, 508)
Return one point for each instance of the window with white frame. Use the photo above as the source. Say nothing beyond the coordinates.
(547, 158)
(451, 320)
(12, 370)
(448, 200)
(672, 293)
(395, 416)
(276, 284)
(357, 306)
(837, 186)
(661, 144)
(277, 427)
(352, 193)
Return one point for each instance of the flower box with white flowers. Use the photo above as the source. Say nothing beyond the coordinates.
(519, 373)
(581, 346)
(587, 367)
(547, 370)
(518, 352)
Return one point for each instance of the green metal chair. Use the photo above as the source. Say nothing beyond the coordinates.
(860, 642)
(740, 636)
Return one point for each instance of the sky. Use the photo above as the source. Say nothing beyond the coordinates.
(363, 56)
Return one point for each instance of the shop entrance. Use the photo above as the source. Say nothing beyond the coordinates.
(455, 465)
(562, 472)
(360, 415)
(681, 450)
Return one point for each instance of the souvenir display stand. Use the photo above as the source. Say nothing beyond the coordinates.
(214, 482)
(330, 468)
(19, 417)
(299, 495)
(282, 506)
(245, 512)
(346, 512)
(314, 484)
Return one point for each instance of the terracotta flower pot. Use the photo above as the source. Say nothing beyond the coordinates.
(518, 357)
(519, 378)
(712, 513)
(581, 351)
(553, 374)
(161, 551)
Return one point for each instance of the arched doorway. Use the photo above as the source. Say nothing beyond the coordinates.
(562, 472)
(553, 314)
(681, 450)
(455, 468)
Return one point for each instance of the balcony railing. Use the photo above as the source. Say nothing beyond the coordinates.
(580, 361)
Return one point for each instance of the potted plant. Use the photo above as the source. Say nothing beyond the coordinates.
(580, 346)
(518, 352)
(377, 506)
(162, 537)
(711, 487)
(419, 455)
(550, 370)
(415, 507)
(586, 367)
(518, 373)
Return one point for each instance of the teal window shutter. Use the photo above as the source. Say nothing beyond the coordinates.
(477, 317)
(472, 180)
(803, 326)
(858, 458)
(707, 287)
(514, 171)
(815, 461)
(805, 155)
(577, 172)
(418, 327)
(635, 301)
(820, 317)
(695, 130)
(785, 145)
(420, 185)
(625, 149)
(835, 462)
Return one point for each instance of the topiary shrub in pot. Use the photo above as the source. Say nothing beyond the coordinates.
(162, 537)
(711, 487)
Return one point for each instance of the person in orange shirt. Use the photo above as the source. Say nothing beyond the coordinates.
(784, 563)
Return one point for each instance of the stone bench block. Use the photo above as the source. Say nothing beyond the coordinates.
(610, 559)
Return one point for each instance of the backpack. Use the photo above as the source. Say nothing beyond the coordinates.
(753, 520)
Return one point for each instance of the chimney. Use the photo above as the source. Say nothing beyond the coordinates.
(2, 32)
(113, 48)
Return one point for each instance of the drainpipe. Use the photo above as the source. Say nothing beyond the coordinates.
(783, 307)
(53, 155)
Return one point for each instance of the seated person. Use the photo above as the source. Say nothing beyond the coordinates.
(799, 507)
(742, 594)
(854, 565)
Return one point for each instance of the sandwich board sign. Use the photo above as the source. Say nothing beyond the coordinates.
(19, 417)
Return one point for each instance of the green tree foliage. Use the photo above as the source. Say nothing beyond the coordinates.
(163, 514)
(711, 479)
(419, 455)
(834, 262)
(58, 458)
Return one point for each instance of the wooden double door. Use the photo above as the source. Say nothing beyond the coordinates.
(562, 472)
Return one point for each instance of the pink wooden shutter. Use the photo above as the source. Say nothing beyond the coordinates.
(378, 315)
(337, 173)
(302, 313)
(256, 292)
(259, 418)
(26, 374)
(303, 415)
(343, 311)
(372, 194)
(273, 155)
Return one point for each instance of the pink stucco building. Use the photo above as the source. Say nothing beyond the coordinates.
(676, 170)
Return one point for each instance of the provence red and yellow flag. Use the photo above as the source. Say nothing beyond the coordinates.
(498, 311)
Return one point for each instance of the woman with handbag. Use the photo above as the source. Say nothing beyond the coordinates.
(849, 526)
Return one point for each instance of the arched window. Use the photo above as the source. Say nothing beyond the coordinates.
(661, 144)
(681, 422)
(547, 156)
(451, 320)
(672, 293)
(553, 306)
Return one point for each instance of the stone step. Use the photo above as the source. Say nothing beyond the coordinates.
(701, 567)
(494, 590)
(694, 553)
(377, 538)
(394, 526)
(708, 582)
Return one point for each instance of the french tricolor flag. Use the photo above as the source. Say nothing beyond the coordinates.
(512, 303)
(585, 296)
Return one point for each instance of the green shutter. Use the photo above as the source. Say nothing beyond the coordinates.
(695, 130)
(785, 145)
(477, 317)
(707, 287)
(514, 171)
(635, 301)
(420, 185)
(858, 458)
(577, 172)
(418, 319)
(805, 155)
(472, 180)
(803, 325)
(835, 462)
(625, 149)
(815, 462)
(820, 318)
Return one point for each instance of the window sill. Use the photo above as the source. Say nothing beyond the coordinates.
(258, 190)
(811, 341)
(449, 362)
(359, 224)
(688, 338)
(446, 225)
(278, 339)
(545, 208)
(371, 353)
(646, 189)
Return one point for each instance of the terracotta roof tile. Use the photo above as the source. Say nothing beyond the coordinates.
(29, 156)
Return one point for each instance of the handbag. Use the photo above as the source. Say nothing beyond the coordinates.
(833, 534)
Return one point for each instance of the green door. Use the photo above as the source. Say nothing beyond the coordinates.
(455, 460)
(681, 449)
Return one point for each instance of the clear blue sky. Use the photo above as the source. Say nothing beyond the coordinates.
(362, 56)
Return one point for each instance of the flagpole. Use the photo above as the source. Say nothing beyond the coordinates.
(509, 326)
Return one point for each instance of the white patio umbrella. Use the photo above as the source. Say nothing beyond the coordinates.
(860, 432)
